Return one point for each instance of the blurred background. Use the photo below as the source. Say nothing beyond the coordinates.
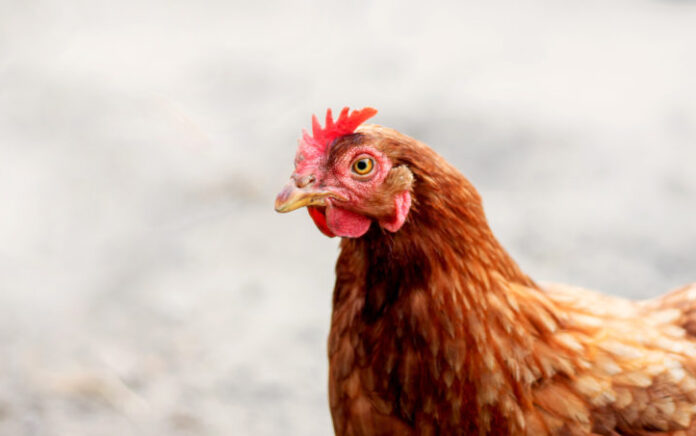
(146, 285)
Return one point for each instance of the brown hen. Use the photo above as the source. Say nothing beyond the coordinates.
(436, 330)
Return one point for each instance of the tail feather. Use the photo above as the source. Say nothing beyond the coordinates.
(684, 300)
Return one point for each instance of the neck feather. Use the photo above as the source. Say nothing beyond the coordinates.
(442, 288)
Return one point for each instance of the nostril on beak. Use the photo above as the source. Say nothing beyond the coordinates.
(303, 181)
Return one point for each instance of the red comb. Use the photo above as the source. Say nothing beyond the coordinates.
(344, 125)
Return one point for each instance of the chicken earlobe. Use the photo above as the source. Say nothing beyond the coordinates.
(402, 204)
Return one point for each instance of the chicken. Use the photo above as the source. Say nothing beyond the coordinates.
(435, 329)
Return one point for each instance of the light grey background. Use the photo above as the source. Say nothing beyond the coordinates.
(146, 285)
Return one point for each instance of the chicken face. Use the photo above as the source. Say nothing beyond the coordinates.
(346, 180)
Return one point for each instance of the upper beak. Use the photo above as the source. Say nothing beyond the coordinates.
(292, 197)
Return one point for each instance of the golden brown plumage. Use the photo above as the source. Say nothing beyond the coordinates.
(436, 330)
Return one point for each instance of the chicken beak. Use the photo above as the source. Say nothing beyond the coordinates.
(292, 197)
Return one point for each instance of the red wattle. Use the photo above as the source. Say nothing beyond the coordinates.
(320, 220)
(345, 223)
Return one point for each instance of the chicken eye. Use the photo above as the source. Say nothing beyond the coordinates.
(363, 166)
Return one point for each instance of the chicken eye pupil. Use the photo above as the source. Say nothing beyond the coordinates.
(363, 167)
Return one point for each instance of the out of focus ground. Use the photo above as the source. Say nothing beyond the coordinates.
(146, 285)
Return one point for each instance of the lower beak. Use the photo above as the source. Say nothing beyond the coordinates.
(291, 197)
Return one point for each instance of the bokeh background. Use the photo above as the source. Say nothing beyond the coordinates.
(146, 285)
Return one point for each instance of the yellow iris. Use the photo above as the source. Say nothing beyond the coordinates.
(363, 166)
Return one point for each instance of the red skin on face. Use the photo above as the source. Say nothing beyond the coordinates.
(336, 219)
